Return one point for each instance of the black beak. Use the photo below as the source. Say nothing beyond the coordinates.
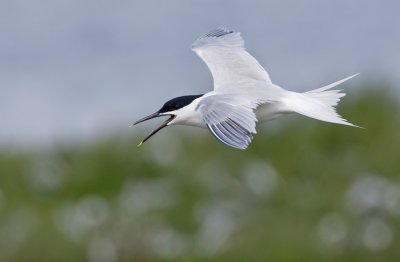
(164, 124)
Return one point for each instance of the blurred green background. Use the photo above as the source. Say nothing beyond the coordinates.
(74, 186)
(303, 191)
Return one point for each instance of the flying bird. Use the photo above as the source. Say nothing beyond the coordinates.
(243, 95)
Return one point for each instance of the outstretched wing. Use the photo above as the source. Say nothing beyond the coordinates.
(230, 64)
(231, 123)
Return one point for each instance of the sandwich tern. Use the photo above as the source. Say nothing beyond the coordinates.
(243, 95)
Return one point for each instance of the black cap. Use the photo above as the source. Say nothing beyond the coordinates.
(177, 103)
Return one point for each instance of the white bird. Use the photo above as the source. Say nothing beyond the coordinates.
(243, 95)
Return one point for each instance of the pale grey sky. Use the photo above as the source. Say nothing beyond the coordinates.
(73, 68)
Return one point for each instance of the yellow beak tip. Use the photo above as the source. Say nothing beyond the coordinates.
(141, 143)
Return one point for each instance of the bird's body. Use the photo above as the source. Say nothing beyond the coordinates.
(243, 95)
(264, 112)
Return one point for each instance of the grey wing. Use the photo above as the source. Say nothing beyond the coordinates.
(230, 64)
(233, 125)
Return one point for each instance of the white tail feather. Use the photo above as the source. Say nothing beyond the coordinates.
(319, 103)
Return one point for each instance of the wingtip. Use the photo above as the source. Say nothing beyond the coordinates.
(218, 32)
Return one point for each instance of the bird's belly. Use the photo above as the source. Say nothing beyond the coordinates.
(269, 111)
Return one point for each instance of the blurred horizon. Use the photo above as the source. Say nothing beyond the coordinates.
(82, 69)
(74, 186)
(302, 191)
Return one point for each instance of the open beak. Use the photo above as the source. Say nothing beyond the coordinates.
(164, 124)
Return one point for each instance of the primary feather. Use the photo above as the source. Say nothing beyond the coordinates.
(230, 64)
(231, 122)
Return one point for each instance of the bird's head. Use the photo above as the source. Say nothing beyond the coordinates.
(172, 109)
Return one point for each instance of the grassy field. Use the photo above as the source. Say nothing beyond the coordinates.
(303, 191)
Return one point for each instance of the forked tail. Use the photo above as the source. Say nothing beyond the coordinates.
(319, 103)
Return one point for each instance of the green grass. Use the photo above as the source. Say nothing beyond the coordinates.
(303, 191)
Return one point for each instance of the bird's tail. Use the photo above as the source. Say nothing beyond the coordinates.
(319, 103)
